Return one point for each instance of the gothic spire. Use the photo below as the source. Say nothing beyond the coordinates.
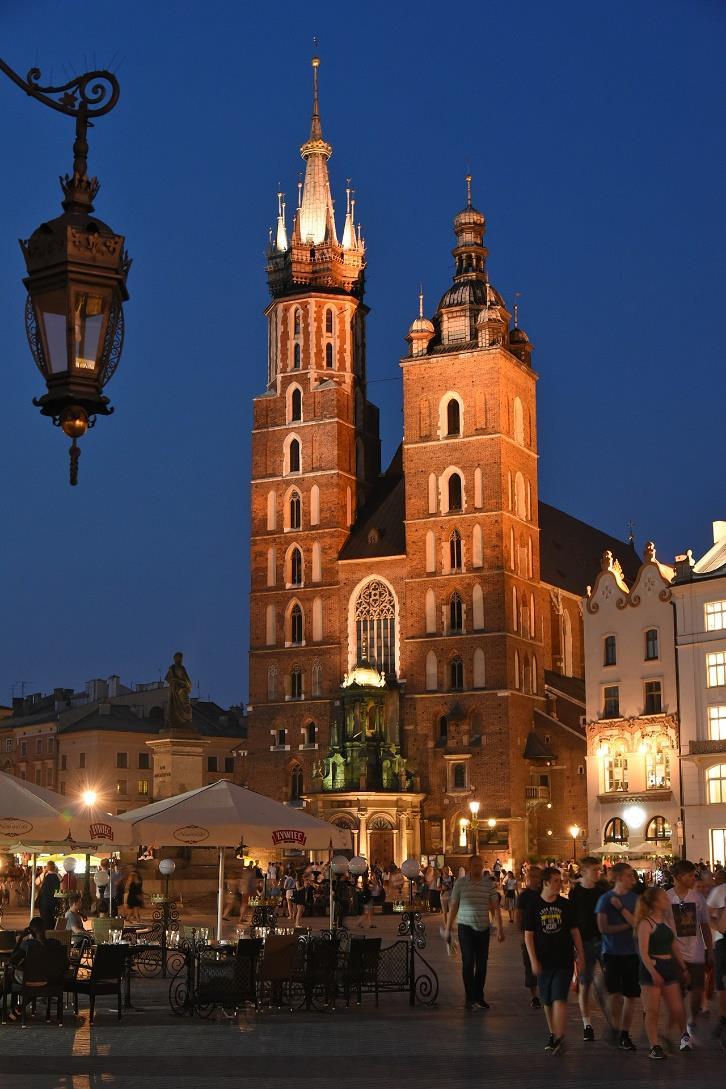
(316, 222)
(281, 237)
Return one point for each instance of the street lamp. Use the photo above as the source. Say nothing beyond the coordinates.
(89, 798)
(574, 832)
(77, 268)
(474, 824)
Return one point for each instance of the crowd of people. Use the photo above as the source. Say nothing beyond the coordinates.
(657, 944)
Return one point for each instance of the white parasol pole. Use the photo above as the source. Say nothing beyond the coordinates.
(220, 893)
(32, 885)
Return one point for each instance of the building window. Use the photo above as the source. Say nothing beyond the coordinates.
(329, 356)
(122, 759)
(49, 777)
(443, 728)
(294, 456)
(122, 787)
(296, 684)
(228, 765)
(39, 745)
(281, 739)
(49, 744)
(455, 551)
(716, 784)
(296, 405)
(64, 762)
(296, 568)
(296, 624)
(453, 417)
(311, 734)
(81, 760)
(610, 651)
(716, 669)
(458, 776)
(375, 626)
(317, 680)
(455, 613)
(295, 511)
(329, 322)
(616, 831)
(212, 763)
(144, 761)
(717, 723)
(38, 777)
(658, 769)
(296, 357)
(658, 829)
(296, 784)
(296, 323)
(611, 701)
(455, 492)
(651, 645)
(23, 748)
(616, 773)
(653, 698)
(456, 673)
(715, 615)
(142, 787)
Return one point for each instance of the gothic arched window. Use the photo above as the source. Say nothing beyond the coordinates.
(294, 455)
(455, 551)
(329, 321)
(374, 614)
(311, 733)
(296, 783)
(456, 618)
(295, 511)
(296, 624)
(329, 355)
(453, 417)
(296, 567)
(296, 684)
(455, 492)
(296, 404)
(296, 358)
(296, 323)
(456, 673)
(443, 728)
(658, 829)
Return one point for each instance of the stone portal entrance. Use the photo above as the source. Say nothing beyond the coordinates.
(380, 847)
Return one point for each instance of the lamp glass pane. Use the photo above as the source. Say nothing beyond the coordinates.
(88, 320)
(51, 311)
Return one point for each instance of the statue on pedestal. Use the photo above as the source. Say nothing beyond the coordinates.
(179, 709)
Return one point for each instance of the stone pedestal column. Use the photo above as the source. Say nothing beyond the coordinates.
(402, 838)
(178, 765)
(363, 833)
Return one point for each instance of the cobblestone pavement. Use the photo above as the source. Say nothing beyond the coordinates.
(356, 1047)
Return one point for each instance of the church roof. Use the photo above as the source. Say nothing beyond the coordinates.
(536, 748)
(379, 528)
(571, 550)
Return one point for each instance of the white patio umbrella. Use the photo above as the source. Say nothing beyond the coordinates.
(33, 818)
(223, 815)
(612, 849)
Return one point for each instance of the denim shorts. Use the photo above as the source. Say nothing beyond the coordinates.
(592, 948)
(554, 985)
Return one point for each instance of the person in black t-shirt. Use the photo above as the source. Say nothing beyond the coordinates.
(526, 898)
(584, 897)
(552, 937)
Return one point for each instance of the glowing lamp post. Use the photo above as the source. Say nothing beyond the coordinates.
(410, 869)
(474, 825)
(574, 831)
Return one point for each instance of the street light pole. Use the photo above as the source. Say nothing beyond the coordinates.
(574, 832)
(77, 268)
(474, 824)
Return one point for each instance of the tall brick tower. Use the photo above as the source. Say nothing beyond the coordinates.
(473, 627)
(315, 454)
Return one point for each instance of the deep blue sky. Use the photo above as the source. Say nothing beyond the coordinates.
(596, 139)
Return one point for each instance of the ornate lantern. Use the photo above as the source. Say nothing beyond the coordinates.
(77, 267)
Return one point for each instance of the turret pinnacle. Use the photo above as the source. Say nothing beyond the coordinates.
(281, 237)
(316, 222)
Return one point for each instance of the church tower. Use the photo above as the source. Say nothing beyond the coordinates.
(473, 626)
(315, 456)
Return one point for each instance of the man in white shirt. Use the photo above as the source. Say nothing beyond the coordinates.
(473, 899)
(689, 921)
(717, 913)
